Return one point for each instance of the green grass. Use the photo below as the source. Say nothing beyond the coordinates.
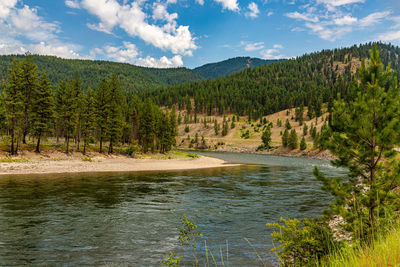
(13, 160)
(384, 251)
(184, 154)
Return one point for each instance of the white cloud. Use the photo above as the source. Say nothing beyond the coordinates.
(336, 3)
(302, 16)
(27, 23)
(252, 46)
(229, 4)
(200, 2)
(60, 50)
(132, 19)
(270, 13)
(160, 13)
(390, 36)
(332, 19)
(253, 10)
(346, 20)
(5, 7)
(128, 53)
(373, 18)
(273, 53)
(163, 62)
(72, 4)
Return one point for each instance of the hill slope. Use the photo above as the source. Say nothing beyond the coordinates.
(309, 80)
(92, 72)
(230, 66)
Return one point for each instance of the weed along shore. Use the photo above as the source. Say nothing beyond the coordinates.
(56, 162)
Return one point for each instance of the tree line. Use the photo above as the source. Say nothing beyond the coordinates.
(30, 108)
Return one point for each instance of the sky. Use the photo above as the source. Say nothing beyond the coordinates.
(190, 33)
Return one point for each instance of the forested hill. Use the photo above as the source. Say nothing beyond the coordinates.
(309, 80)
(230, 66)
(92, 72)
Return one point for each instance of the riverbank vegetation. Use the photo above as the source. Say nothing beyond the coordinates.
(364, 133)
(30, 108)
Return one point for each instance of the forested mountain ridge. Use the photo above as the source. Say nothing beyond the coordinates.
(132, 77)
(230, 66)
(309, 80)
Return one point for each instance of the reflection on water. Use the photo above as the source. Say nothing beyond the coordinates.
(132, 218)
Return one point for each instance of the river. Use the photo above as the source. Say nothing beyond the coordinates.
(132, 219)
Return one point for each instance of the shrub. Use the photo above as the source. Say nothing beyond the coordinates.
(302, 242)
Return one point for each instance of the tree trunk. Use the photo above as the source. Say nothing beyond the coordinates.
(110, 148)
(101, 143)
(67, 145)
(12, 142)
(38, 144)
(84, 146)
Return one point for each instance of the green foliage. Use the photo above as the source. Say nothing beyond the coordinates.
(285, 138)
(266, 136)
(14, 104)
(245, 134)
(287, 125)
(230, 66)
(216, 127)
(172, 261)
(365, 132)
(305, 130)
(133, 78)
(187, 129)
(302, 242)
(293, 140)
(303, 144)
(88, 118)
(41, 109)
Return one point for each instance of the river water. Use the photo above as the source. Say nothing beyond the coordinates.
(132, 219)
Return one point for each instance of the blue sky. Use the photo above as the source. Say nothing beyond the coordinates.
(189, 33)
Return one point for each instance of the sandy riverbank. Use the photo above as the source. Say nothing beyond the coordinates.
(99, 163)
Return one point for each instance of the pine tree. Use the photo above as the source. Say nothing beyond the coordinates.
(146, 125)
(102, 110)
(88, 117)
(76, 91)
(69, 113)
(293, 141)
(366, 132)
(14, 104)
(266, 136)
(285, 138)
(115, 124)
(29, 85)
(303, 144)
(42, 109)
(216, 127)
(225, 127)
(305, 130)
(287, 125)
(59, 102)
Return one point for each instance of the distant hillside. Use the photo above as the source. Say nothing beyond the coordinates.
(92, 72)
(309, 80)
(214, 70)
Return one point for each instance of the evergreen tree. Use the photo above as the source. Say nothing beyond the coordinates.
(41, 110)
(102, 110)
(305, 130)
(115, 123)
(75, 85)
(366, 132)
(225, 127)
(146, 125)
(29, 85)
(293, 141)
(59, 108)
(285, 138)
(216, 127)
(266, 136)
(88, 117)
(69, 113)
(303, 144)
(14, 104)
(287, 125)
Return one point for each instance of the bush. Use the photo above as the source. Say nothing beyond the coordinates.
(302, 242)
(92, 140)
(132, 149)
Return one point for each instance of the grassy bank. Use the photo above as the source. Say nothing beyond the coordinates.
(384, 251)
